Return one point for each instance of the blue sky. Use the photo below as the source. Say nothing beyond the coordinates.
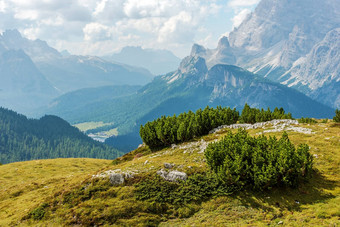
(100, 27)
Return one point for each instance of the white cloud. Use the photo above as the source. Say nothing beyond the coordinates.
(95, 26)
(3, 6)
(243, 3)
(96, 32)
(239, 18)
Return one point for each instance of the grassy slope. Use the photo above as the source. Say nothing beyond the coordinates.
(318, 201)
(25, 185)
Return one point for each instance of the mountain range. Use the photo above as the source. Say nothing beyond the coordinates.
(32, 73)
(284, 54)
(158, 62)
(295, 43)
(191, 87)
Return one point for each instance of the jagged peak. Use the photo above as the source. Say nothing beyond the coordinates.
(197, 50)
(12, 34)
(193, 63)
(223, 43)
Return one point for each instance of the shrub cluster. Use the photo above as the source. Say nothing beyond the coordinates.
(337, 116)
(240, 160)
(307, 120)
(253, 115)
(176, 129)
(169, 130)
(197, 188)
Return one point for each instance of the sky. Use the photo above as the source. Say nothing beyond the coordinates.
(102, 27)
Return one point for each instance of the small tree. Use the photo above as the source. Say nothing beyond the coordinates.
(337, 116)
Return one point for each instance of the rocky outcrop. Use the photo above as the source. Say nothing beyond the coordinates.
(173, 176)
(116, 177)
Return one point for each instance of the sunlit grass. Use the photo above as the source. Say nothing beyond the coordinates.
(314, 203)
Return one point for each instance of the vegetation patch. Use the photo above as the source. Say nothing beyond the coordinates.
(240, 160)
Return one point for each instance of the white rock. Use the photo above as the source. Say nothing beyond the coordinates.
(172, 176)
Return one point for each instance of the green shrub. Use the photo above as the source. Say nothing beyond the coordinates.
(197, 188)
(39, 212)
(253, 115)
(337, 116)
(307, 120)
(169, 130)
(240, 160)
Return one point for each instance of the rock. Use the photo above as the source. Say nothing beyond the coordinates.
(172, 176)
(168, 165)
(146, 162)
(116, 178)
(280, 223)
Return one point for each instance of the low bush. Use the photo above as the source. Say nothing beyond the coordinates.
(337, 116)
(240, 160)
(307, 120)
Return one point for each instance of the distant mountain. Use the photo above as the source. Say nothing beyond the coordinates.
(23, 87)
(191, 87)
(158, 62)
(70, 73)
(50, 137)
(33, 73)
(36, 49)
(79, 100)
(292, 42)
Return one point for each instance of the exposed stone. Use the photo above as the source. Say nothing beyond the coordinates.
(146, 162)
(116, 178)
(172, 176)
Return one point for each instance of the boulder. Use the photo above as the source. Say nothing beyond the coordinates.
(116, 178)
(172, 176)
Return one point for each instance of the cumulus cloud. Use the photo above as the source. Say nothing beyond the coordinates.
(96, 32)
(243, 3)
(95, 26)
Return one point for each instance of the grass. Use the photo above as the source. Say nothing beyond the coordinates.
(314, 203)
(25, 185)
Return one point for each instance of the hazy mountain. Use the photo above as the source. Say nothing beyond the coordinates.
(194, 86)
(292, 42)
(68, 72)
(23, 87)
(158, 62)
(72, 72)
(49, 137)
(36, 49)
(71, 102)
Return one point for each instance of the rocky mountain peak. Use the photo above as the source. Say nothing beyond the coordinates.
(198, 50)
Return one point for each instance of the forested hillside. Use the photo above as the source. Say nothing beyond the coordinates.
(24, 139)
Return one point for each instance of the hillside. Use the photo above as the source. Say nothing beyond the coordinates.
(49, 137)
(192, 86)
(81, 199)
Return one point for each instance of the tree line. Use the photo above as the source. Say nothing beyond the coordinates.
(23, 139)
(165, 131)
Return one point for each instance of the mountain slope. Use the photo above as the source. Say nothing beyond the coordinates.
(69, 194)
(68, 73)
(157, 62)
(23, 87)
(49, 137)
(71, 73)
(291, 42)
(191, 87)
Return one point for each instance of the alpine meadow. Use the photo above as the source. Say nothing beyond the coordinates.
(170, 113)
